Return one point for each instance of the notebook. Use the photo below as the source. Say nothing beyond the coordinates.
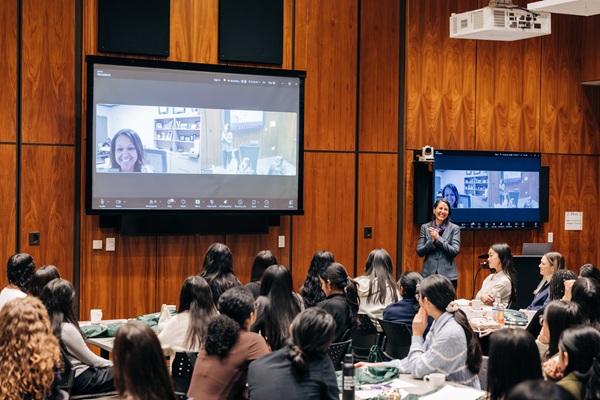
(536, 249)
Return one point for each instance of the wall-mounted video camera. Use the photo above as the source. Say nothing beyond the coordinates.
(426, 154)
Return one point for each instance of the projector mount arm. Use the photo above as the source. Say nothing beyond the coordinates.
(509, 4)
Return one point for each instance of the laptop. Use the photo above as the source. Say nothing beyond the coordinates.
(536, 249)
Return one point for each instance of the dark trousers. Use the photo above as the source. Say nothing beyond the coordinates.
(94, 380)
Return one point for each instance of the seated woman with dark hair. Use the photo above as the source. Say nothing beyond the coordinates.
(405, 310)
(263, 260)
(502, 282)
(221, 369)
(311, 290)
(558, 316)
(342, 298)
(41, 277)
(586, 293)
(277, 308)
(217, 269)
(451, 347)
(30, 352)
(538, 389)
(93, 374)
(140, 369)
(513, 358)
(302, 369)
(19, 270)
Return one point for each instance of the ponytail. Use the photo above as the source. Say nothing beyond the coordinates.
(474, 353)
(337, 276)
(296, 356)
(590, 387)
(221, 335)
(352, 299)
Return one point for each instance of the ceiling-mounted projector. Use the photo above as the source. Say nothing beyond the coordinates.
(499, 23)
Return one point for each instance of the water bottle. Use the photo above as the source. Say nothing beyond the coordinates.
(348, 378)
(500, 316)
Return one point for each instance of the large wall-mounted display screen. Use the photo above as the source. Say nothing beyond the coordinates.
(183, 137)
(488, 189)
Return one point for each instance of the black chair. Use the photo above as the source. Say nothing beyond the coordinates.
(182, 368)
(337, 351)
(396, 343)
(483, 372)
(364, 336)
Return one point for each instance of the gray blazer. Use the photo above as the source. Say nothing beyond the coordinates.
(439, 256)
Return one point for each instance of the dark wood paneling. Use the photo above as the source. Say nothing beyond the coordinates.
(8, 205)
(328, 221)
(122, 283)
(379, 66)
(440, 78)
(377, 204)
(48, 72)
(326, 47)
(48, 204)
(567, 125)
(590, 69)
(8, 66)
(508, 95)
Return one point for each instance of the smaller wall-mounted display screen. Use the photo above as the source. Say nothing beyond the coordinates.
(489, 190)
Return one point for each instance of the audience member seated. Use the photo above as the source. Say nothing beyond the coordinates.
(140, 369)
(221, 369)
(513, 358)
(186, 330)
(586, 293)
(451, 347)
(503, 278)
(277, 307)
(550, 263)
(404, 310)
(556, 291)
(263, 260)
(302, 369)
(589, 271)
(217, 269)
(19, 270)
(311, 291)
(30, 352)
(377, 288)
(538, 389)
(41, 277)
(342, 298)
(558, 316)
(93, 374)
(578, 349)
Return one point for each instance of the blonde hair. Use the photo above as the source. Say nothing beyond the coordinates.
(557, 261)
(30, 351)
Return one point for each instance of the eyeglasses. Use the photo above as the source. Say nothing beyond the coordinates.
(418, 296)
(542, 319)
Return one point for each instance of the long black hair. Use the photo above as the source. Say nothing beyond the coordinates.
(281, 307)
(196, 298)
(140, 370)
(313, 331)
(19, 270)
(589, 271)
(236, 305)
(560, 315)
(263, 260)
(217, 269)
(586, 293)
(379, 268)
(311, 290)
(41, 277)
(440, 292)
(338, 277)
(582, 344)
(506, 259)
(59, 298)
(516, 348)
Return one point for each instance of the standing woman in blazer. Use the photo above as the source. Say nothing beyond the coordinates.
(439, 243)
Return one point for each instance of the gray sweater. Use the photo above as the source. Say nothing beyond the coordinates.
(80, 355)
(444, 351)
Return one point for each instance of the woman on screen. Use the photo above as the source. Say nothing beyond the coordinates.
(439, 243)
(226, 147)
(450, 193)
(127, 152)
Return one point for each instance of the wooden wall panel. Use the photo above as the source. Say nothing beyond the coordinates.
(48, 72)
(328, 221)
(440, 78)
(48, 204)
(122, 283)
(194, 31)
(590, 48)
(8, 205)
(567, 126)
(377, 205)
(508, 95)
(326, 47)
(8, 66)
(378, 95)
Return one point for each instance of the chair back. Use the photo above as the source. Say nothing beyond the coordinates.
(68, 375)
(337, 351)
(364, 336)
(397, 339)
(182, 369)
(483, 372)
